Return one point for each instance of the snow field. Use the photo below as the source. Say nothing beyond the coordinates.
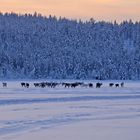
(77, 114)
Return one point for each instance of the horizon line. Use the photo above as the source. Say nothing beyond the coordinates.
(70, 18)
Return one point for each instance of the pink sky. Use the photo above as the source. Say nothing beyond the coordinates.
(78, 9)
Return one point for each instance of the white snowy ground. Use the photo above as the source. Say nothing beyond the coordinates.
(70, 114)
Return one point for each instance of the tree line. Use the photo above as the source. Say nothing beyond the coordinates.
(35, 46)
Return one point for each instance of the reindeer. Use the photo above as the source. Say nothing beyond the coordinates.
(37, 84)
(4, 84)
(23, 84)
(73, 85)
(42, 85)
(90, 85)
(98, 85)
(122, 84)
(116, 85)
(53, 85)
(27, 85)
(111, 84)
(66, 85)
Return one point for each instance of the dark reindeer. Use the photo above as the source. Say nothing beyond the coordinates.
(111, 84)
(26, 85)
(4, 84)
(37, 84)
(23, 84)
(98, 85)
(74, 85)
(90, 85)
(66, 85)
(116, 85)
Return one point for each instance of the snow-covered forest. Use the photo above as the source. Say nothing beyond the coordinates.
(33, 46)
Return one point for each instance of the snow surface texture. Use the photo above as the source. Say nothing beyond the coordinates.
(70, 114)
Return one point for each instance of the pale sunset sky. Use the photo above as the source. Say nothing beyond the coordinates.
(108, 10)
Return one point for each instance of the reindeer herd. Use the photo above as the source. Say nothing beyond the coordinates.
(66, 85)
(70, 85)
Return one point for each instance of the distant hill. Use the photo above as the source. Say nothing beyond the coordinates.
(33, 46)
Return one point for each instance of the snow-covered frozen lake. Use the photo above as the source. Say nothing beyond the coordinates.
(70, 114)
